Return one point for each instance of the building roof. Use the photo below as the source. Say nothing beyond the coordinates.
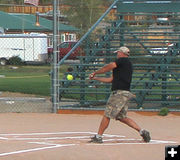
(26, 22)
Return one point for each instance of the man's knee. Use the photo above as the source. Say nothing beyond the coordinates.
(123, 119)
(106, 118)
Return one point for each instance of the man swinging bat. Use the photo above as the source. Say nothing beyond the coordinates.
(117, 107)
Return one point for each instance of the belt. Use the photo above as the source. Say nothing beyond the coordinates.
(116, 91)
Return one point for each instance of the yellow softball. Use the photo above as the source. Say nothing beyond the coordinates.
(69, 77)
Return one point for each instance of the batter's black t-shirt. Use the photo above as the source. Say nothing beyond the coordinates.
(122, 74)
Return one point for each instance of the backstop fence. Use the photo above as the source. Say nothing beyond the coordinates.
(39, 49)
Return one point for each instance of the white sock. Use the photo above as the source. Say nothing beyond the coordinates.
(141, 131)
(98, 136)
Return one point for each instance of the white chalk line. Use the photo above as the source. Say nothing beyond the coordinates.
(35, 149)
(151, 142)
(3, 138)
(52, 138)
(52, 145)
(15, 136)
(51, 133)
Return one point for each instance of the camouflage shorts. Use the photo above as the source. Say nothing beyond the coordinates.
(117, 104)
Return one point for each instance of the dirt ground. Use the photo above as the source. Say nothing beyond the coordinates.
(23, 103)
(48, 136)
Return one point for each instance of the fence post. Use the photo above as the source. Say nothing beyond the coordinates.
(55, 73)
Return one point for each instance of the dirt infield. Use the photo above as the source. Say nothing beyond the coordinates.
(34, 136)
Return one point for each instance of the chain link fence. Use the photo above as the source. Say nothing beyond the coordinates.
(24, 73)
(24, 60)
(26, 51)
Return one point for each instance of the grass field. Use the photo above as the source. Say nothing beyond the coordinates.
(27, 79)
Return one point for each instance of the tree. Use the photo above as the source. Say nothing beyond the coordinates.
(45, 2)
(83, 13)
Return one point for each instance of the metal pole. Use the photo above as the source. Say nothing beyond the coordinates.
(55, 97)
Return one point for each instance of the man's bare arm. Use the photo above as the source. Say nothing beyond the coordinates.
(103, 79)
(104, 69)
